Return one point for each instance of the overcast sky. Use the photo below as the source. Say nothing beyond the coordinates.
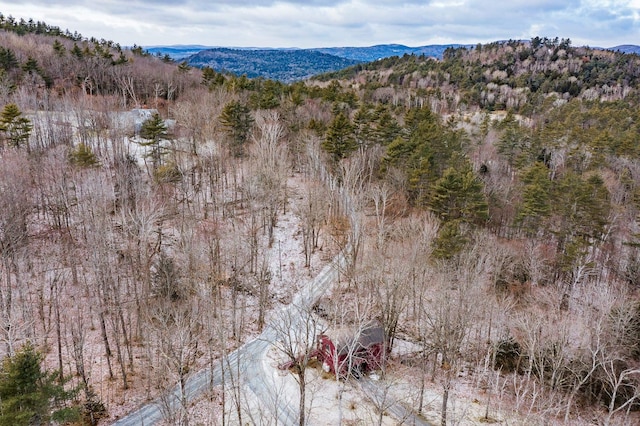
(329, 23)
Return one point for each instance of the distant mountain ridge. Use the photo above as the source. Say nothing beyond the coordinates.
(177, 52)
(363, 54)
(373, 53)
(626, 48)
(288, 64)
(275, 64)
(292, 64)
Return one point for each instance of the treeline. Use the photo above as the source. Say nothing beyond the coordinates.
(53, 66)
(22, 27)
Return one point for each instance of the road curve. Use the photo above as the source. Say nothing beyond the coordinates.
(247, 361)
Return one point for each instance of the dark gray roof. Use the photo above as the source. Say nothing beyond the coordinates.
(371, 336)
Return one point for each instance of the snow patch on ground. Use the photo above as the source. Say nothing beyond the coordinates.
(286, 254)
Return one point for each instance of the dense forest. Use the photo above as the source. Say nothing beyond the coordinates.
(488, 202)
(282, 65)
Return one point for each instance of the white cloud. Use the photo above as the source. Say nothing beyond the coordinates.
(316, 23)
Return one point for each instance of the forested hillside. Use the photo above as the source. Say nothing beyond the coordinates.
(288, 64)
(282, 65)
(155, 216)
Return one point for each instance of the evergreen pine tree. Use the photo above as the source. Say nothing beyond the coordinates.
(236, 118)
(582, 206)
(362, 126)
(76, 51)
(59, 48)
(458, 196)
(83, 156)
(339, 141)
(16, 128)
(8, 59)
(536, 197)
(386, 127)
(29, 395)
(31, 66)
(154, 130)
(449, 241)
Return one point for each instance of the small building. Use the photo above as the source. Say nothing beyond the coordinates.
(352, 353)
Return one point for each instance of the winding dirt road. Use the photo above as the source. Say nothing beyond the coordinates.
(246, 362)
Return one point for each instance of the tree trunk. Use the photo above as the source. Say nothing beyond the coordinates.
(302, 384)
(119, 354)
(445, 398)
(425, 360)
(59, 337)
(105, 340)
(445, 395)
(125, 337)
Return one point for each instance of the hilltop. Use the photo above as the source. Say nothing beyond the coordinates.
(626, 48)
(510, 75)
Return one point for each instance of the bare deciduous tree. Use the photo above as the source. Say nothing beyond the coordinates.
(16, 208)
(312, 213)
(271, 167)
(297, 332)
(177, 329)
(450, 317)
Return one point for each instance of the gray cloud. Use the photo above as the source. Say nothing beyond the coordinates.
(316, 23)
